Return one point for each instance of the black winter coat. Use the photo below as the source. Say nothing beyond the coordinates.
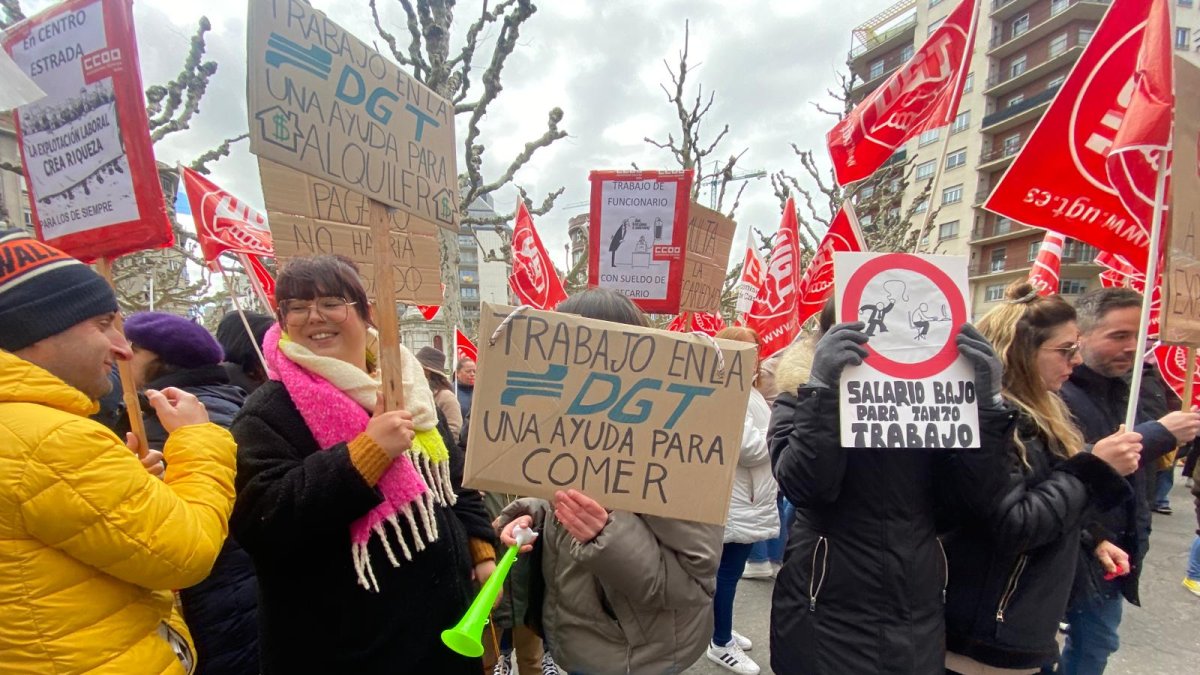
(222, 611)
(1014, 549)
(293, 513)
(1098, 405)
(863, 578)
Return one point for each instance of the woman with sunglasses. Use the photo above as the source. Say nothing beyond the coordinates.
(1020, 506)
(363, 541)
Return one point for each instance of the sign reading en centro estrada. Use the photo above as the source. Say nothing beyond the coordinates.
(323, 102)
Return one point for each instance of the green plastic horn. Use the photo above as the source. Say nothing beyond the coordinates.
(466, 637)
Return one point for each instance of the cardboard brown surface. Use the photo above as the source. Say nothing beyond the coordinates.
(639, 419)
(709, 239)
(1180, 317)
(309, 216)
(329, 105)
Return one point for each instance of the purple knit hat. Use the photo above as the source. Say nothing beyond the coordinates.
(177, 341)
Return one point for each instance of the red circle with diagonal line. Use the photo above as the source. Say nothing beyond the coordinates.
(958, 313)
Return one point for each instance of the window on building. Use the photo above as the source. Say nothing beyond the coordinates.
(1034, 248)
(1182, 37)
(1184, 3)
(928, 137)
(968, 83)
(466, 241)
(948, 230)
(893, 214)
(1072, 287)
(866, 192)
(922, 206)
(1012, 144)
(1057, 6)
(926, 169)
(1020, 25)
(998, 258)
(468, 278)
(876, 70)
(1058, 46)
(894, 185)
(934, 3)
(1014, 100)
(470, 293)
(1056, 82)
(952, 194)
(934, 26)
(28, 219)
(993, 293)
(1017, 66)
(961, 122)
(906, 53)
(1085, 35)
(867, 220)
(956, 158)
(1003, 226)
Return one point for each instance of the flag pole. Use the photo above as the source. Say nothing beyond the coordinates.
(937, 180)
(1135, 382)
(1189, 378)
(133, 409)
(237, 305)
(259, 292)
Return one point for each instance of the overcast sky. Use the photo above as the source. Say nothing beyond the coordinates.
(601, 61)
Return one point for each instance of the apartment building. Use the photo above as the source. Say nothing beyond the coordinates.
(1024, 50)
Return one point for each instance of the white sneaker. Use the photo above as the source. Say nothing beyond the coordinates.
(758, 570)
(732, 658)
(742, 641)
(549, 667)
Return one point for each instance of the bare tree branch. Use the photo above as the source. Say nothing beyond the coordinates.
(172, 107)
(200, 164)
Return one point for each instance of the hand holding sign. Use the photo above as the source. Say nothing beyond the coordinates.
(989, 372)
(842, 346)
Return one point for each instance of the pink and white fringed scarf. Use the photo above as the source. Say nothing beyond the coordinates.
(329, 395)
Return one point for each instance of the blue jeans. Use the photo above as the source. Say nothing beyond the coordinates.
(1193, 571)
(1092, 637)
(1163, 482)
(772, 549)
(733, 561)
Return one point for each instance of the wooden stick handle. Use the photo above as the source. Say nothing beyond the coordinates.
(388, 324)
(128, 388)
(1189, 378)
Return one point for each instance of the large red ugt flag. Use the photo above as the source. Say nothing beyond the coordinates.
(533, 278)
(922, 95)
(774, 315)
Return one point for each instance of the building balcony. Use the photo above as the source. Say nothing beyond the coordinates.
(863, 89)
(999, 158)
(1043, 22)
(871, 41)
(1015, 115)
(1000, 232)
(1006, 83)
(1003, 9)
(1068, 270)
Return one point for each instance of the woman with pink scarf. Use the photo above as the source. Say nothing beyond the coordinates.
(364, 543)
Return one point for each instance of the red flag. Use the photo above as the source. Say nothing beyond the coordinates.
(817, 283)
(466, 349)
(1060, 179)
(1044, 275)
(751, 280)
(697, 322)
(922, 95)
(430, 311)
(224, 222)
(1172, 364)
(1144, 137)
(260, 275)
(774, 314)
(533, 278)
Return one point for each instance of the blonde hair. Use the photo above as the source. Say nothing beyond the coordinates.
(1017, 329)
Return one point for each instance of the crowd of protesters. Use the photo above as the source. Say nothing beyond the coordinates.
(281, 520)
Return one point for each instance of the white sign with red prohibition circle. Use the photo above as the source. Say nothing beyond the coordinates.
(913, 389)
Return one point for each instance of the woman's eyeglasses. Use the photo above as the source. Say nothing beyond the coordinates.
(1068, 352)
(333, 310)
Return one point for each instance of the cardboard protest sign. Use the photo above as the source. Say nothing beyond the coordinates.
(638, 235)
(1180, 322)
(709, 238)
(622, 413)
(913, 390)
(93, 184)
(309, 216)
(327, 104)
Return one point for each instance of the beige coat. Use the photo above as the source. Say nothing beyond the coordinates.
(636, 599)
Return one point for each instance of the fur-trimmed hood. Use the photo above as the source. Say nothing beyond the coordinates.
(794, 366)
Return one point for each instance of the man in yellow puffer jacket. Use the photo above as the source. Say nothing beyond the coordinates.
(91, 544)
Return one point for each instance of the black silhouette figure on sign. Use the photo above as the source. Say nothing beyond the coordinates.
(615, 242)
(878, 312)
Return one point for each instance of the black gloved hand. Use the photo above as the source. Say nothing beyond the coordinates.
(989, 372)
(842, 346)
